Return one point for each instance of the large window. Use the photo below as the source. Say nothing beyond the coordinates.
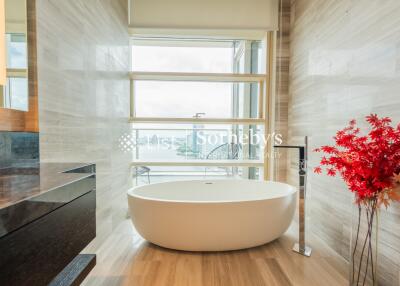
(198, 106)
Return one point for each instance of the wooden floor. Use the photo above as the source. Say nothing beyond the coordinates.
(124, 258)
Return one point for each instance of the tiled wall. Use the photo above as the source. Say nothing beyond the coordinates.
(282, 87)
(18, 148)
(345, 63)
(83, 63)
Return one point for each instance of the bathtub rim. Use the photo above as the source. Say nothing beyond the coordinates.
(291, 191)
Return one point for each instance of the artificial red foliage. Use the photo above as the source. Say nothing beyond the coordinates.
(369, 164)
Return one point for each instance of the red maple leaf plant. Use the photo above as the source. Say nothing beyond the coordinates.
(369, 164)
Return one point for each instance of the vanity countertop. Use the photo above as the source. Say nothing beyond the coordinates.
(28, 192)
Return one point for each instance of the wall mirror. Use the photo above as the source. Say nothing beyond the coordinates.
(18, 97)
(14, 95)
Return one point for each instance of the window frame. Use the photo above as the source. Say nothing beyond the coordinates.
(265, 107)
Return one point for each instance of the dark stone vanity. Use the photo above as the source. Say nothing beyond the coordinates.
(47, 210)
(47, 217)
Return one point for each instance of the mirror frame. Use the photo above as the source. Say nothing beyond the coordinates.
(28, 121)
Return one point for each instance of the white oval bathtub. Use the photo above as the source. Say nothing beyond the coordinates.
(212, 215)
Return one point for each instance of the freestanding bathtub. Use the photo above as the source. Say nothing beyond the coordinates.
(212, 215)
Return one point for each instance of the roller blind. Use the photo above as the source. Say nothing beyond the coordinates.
(204, 14)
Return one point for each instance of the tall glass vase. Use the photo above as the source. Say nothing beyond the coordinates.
(364, 244)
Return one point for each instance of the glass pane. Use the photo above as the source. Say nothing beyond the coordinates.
(198, 142)
(16, 51)
(177, 173)
(186, 99)
(256, 57)
(16, 93)
(182, 56)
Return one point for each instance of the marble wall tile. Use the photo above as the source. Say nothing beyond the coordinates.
(83, 64)
(18, 148)
(344, 64)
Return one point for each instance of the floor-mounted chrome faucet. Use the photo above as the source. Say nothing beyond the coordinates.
(301, 246)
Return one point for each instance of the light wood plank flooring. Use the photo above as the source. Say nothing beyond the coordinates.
(124, 258)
